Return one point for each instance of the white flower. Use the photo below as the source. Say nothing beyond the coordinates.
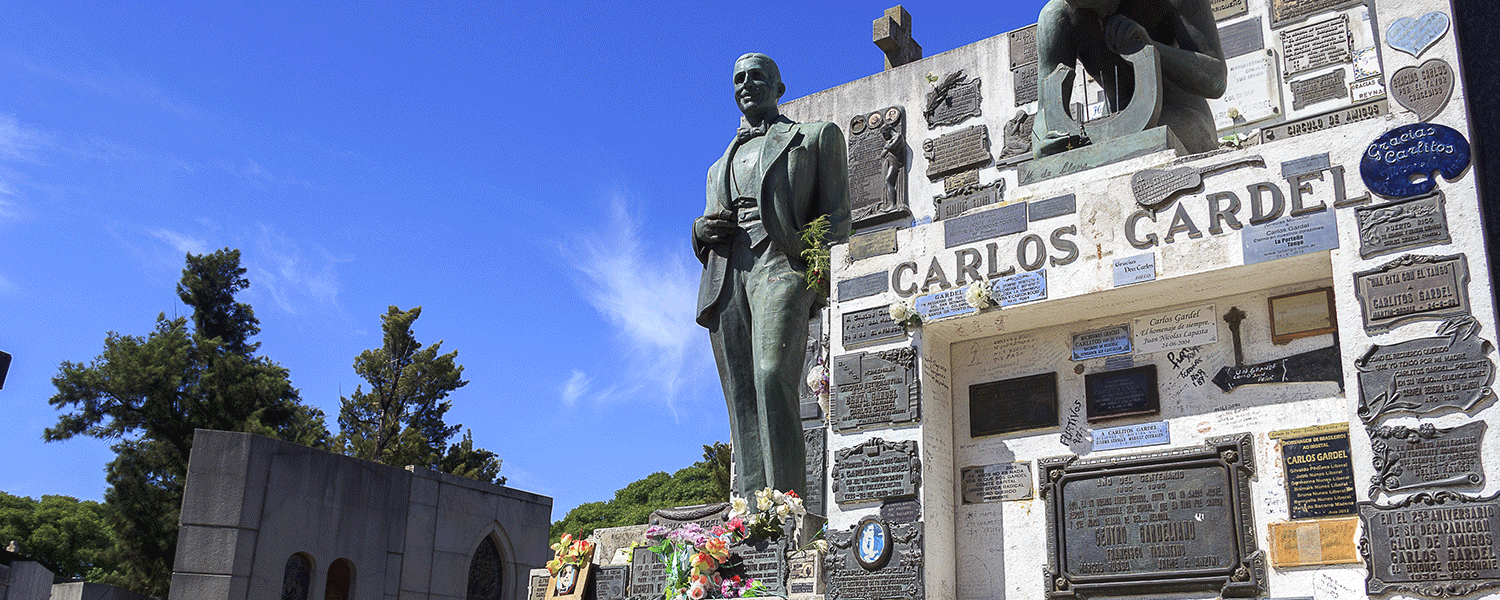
(783, 510)
(978, 295)
(738, 507)
(777, 496)
(763, 499)
(815, 376)
(821, 545)
(796, 506)
(900, 312)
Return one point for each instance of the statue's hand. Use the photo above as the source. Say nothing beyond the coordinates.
(1124, 36)
(715, 228)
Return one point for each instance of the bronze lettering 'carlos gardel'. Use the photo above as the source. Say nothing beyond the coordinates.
(775, 178)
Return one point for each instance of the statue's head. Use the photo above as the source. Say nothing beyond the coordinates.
(757, 84)
(1103, 7)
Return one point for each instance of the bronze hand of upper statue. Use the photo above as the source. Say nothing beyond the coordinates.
(1124, 36)
(714, 229)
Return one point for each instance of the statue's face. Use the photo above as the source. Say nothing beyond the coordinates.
(756, 87)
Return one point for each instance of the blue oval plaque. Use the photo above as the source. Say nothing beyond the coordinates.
(1405, 161)
(872, 547)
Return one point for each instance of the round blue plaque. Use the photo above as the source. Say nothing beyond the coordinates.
(1405, 161)
(872, 544)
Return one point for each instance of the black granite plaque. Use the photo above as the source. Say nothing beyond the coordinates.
(1285, 11)
(1318, 88)
(1013, 405)
(1244, 37)
(876, 470)
(1307, 164)
(609, 582)
(1022, 47)
(864, 286)
(1227, 9)
(870, 326)
(1411, 288)
(877, 166)
(1452, 370)
(1065, 204)
(763, 561)
(1319, 475)
(815, 442)
(1402, 224)
(952, 205)
(1122, 393)
(874, 243)
(956, 151)
(896, 548)
(984, 225)
(875, 389)
(1326, 121)
(1440, 545)
(905, 510)
(996, 483)
(1024, 83)
(1315, 46)
(648, 575)
(1412, 457)
(1177, 519)
(954, 100)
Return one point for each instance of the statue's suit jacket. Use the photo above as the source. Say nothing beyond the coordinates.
(804, 175)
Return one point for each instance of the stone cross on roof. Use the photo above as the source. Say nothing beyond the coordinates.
(893, 36)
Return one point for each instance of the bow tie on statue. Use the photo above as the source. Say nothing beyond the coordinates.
(746, 133)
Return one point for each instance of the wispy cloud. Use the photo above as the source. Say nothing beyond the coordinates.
(297, 278)
(182, 242)
(20, 143)
(575, 387)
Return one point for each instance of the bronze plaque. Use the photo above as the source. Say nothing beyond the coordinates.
(960, 181)
(950, 206)
(1023, 81)
(1309, 543)
(1438, 544)
(1285, 11)
(1326, 121)
(876, 470)
(763, 561)
(1408, 457)
(609, 582)
(874, 243)
(815, 441)
(864, 286)
(1022, 47)
(956, 151)
(1013, 405)
(877, 166)
(1423, 90)
(1122, 393)
(1227, 9)
(875, 388)
(870, 326)
(1319, 475)
(1411, 288)
(875, 560)
(1315, 46)
(1177, 519)
(1319, 88)
(1451, 370)
(1244, 37)
(1402, 224)
(955, 100)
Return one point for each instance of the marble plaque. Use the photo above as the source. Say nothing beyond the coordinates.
(1305, 165)
(1423, 90)
(876, 389)
(1310, 543)
(1284, 11)
(609, 582)
(1319, 475)
(1366, 89)
(1318, 88)
(943, 305)
(1402, 224)
(1315, 46)
(537, 590)
(1124, 393)
(874, 243)
(875, 560)
(1022, 47)
(1020, 288)
(951, 205)
(1173, 329)
(1440, 545)
(648, 575)
(996, 483)
(870, 326)
(957, 102)
(1151, 523)
(984, 225)
(1241, 38)
(1134, 269)
(1024, 82)
(1065, 204)
(956, 151)
(1013, 405)
(864, 286)
(815, 442)
(1411, 288)
(877, 166)
(1290, 236)
(1101, 342)
(1252, 91)
(1132, 436)
(1426, 456)
(1227, 9)
(1422, 375)
(1326, 121)
(1402, 161)
(876, 470)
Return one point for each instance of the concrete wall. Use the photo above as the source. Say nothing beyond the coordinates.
(79, 590)
(28, 580)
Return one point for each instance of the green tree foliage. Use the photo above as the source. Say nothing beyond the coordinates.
(399, 421)
(632, 504)
(62, 532)
(150, 393)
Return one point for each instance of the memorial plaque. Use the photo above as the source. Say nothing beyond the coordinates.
(1252, 91)
(864, 286)
(1411, 288)
(1244, 37)
(1402, 224)
(1013, 405)
(956, 151)
(1024, 83)
(1101, 342)
(1290, 236)
(1426, 455)
(984, 225)
(951, 205)
(1022, 47)
(875, 560)
(953, 101)
(1403, 162)
(944, 304)
(1134, 269)
(1227, 9)
(1301, 314)
(1438, 544)
(877, 166)
(871, 326)
(1423, 90)
(763, 561)
(1177, 519)
(1415, 36)
(876, 470)
(1065, 204)
(609, 582)
(1309, 543)
(1319, 475)
(1017, 140)
(1285, 11)
(1326, 121)
(648, 575)
(1366, 63)
(876, 388)
(1174, 329)
(906, 510)
(1318, 88)
(874, 243)
(1315, 46)
(959, 181)
(1322, 364)
(1367, 89)
(1132, 436)
(703, 515)
(815, 442)
(996, 483)
(1020, 288)
(1305, 165)
(1125, 393)
(1426, 374)
(537, 590)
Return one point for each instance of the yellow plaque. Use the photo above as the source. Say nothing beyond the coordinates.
(1307, 431)
(1322, 542)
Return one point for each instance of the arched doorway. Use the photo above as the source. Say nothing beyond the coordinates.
(340, 580)
(296, 580)
(485, 571)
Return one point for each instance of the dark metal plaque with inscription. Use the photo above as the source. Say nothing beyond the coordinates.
(704, 515)
(870, 326)
(1319, 475)
(952, 205)
(984, 225)
(1318, 88)
(1227, 9)
(1440, 545)
(648, 575)
(1326, 121)
(899, 574)
(1022, 47)
(762, 561)
(875, 388)
(1307, 164)
(1423, 90)
(609, 582)
(953, 102)
(996, 483)
(1412, 457)
(874, 243)
(1244, 37)
(959, 181)
(815, 442)
(876, 470)
(1123, 393)
(956, 151)
(864, 286)
(1426, 374)
(1024, 84)
(1285, 11)
(905, 510)
(1013, 405)
(1315, 46)
(1065, 204)
(1413, 287)
(1177, 519)
(877, 166)
(1402, 224)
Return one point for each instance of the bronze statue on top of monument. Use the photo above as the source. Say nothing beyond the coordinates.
(775, 178)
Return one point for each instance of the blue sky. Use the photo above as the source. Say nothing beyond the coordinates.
(525, 172)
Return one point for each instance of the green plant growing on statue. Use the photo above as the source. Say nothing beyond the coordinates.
(815, 236)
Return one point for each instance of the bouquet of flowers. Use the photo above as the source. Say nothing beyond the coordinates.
(568, 551)
(698, 562)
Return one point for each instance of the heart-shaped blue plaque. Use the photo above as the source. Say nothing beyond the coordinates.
(1406, 161)
(1415, 36)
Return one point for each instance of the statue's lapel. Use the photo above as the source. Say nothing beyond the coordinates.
(777, 140)
(721, 171)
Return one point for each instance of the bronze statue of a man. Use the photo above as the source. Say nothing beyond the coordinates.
(776, 177)
(1098, 33)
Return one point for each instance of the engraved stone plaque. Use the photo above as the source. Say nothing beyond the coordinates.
(1426, 374)
(815, 440)
(1022, 47)
(874, 243)
(876, 470)
(1318, 88)
(877, 166)
(1020, 288)
(1305, 165)
(956, 151)
(984, 225)
(537, 590)
(1308, 543)
(1142, 524)
(951, 205)
(648, 575)
(1284, 11)
(996, 483)
(1065, 204)
(1423, 90)
(609, 582)
(1226, 9)
(876, 388)
(1319, 475)
(1426, 455)
(1315, 46)
(1402, 224)
(1290, 236)
(1252, 91)
(952, 101)
(1440, 545)
(1024, 83)
(1244, 37)
(870, 326)
(1132, 436)
(959, 181)
(876, 560)
(1328, 120)
(864, 286)
(1123, 393)
(1101, 342)
(1013, 405)
(1174, 329)
(1411, 288)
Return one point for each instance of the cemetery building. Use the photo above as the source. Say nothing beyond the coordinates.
(264, 518)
